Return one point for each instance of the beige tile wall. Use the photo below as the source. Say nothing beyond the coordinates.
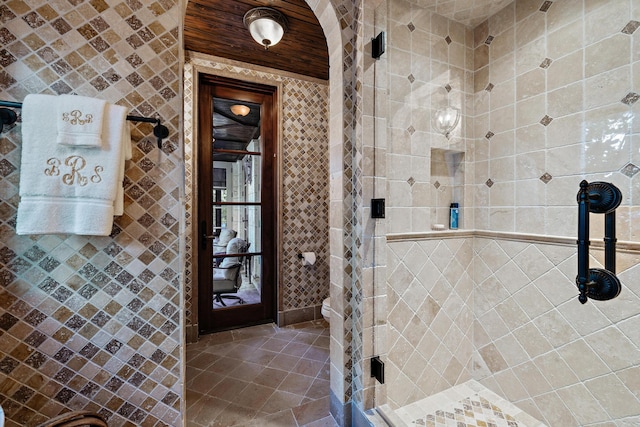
(554, 102)
(430, 317)
(95, 323)
(562, 362)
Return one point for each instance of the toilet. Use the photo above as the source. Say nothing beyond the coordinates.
(326, 309)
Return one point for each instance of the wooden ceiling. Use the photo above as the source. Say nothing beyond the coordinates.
(215, 27)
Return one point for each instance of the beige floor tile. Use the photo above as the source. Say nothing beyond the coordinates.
(284, 361)
(204, 381)
(275, 344)
(280, 419)
(270, 377)
(296, 383)
(228, 389)
(260, 376)
(310, 368)
(205, 410)
(280, 401)
(312, 411)
(234, 415)
(246, 371)
(254, 396)
(324, 422)
(295, 349)
(317, 353)
(319, 389)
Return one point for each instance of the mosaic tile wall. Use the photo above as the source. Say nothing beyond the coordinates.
(95, 322)
(304, 182)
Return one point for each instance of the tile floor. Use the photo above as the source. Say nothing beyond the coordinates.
(260, 376)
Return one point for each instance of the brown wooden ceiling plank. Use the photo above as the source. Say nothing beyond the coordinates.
(215, 27)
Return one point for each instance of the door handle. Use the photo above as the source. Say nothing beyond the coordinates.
(597, 283)
(204, 237)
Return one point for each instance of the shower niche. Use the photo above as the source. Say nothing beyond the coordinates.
(447, 186)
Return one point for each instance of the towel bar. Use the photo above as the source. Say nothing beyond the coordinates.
(9, 117)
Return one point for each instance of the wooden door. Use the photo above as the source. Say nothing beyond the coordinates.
(237, 124)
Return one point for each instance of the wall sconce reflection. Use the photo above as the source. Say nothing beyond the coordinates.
(446, 119)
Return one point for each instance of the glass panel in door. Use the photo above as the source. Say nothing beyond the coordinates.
(236, 209)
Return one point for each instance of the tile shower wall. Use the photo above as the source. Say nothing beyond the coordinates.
(430, 320)
(95, 322)
(560, 361)
(304, 185)
(556, 91)
(430, 67)
(555, 100)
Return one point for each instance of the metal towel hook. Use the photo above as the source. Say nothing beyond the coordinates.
(597, 283)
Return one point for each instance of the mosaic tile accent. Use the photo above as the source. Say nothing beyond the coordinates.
(489, 183)
(411, 181)
(631, 27)
(546, 177)
(468, 405)
(546, 63)
(489, 135)
(631, 98)
(448, 87)
(545, 6)
(489, 87)
(448, 40)
(630, 170)
(411, 27)
(472, 411)
(94, 322)
(436, 184)
(411, 78)
(546, 120)
(488, 40)
(411, 130)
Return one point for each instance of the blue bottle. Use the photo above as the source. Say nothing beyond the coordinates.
(453, 216)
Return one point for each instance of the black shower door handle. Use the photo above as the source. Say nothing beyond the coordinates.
(597, 283)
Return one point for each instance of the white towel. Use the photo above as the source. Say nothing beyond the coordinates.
(118, 206)
(65, 189)
(80, 120)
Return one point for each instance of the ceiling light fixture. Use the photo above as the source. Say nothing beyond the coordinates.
(266, 25)
(240, 110)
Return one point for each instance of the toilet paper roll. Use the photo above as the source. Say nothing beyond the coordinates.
(308, 258)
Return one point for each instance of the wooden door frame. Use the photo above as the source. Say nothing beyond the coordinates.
(208, 75)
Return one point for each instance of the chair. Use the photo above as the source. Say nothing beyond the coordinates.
(220, 244)
(226, 276)
(76, 419)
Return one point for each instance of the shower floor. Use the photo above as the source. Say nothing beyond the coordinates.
(469, 404)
